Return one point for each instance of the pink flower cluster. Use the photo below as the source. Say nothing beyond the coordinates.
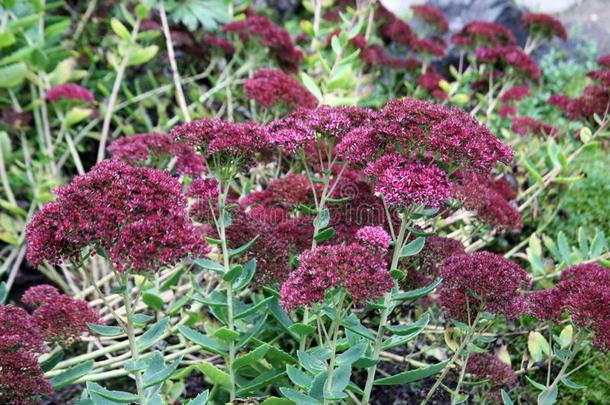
(489, 199)
(484, 366)
(275, 38)
(604, 61)
(136, 216)
(203, 189)
(430, 81)
(153, 149)
(602, 76)
(374, 236)
(432, 16)
(404, 183)
(424, 268)
(361, 271)
(528, 125)
(376, 54)
(515, 93)
(594, 100)
(59, 318)
(270, 87)
(510, 56)
(71, 92)
(584, 293)
(483, 33)
(544, 25)
(482, 281)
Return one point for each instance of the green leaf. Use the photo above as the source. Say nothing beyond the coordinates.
(152, 335)
(3, 292)
(120, 30)
(153, 300)
(201, 399)
(140, 320)
(6, 39)
(505, 398)
(251, 357)
(341, 376)
(214, 374)
(548, 396)
(301, 329)
(413, 375)
(299, 378)
(158, 376)
(71, 375)
(417, 293)
(226, 334)
(565, 337)
(233, 273)
(242, 248)
(253, 308)
(352, 323)
(277, 401)
(311, 86)
(322, 219)
(298, 397)
(210, 265)
(52, 361)
(535, 384)
(116, 396)
(325, 234)
(246, 275)
(311, 362)
(140, 56)
(585, 134)
(352, 354)
(104, 330)
(412, 248)
(564, 248)
(532, 171)
(77, 114)
(202, 340)
(263, 380)
(571, 384)
(12, 75)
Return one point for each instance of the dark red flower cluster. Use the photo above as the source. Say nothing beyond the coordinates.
(275, 38)
(137, 216)
(376, 54)
(544, 25)
(430, 81)
(270, 87)
(203, 189)
(604, 61)
(71, 92)
(482, 281)
(393, 28)
(515, 93)
(595, 99)
(584, 293)
(59, 318)
(374, 236)
(432, 16)
(222, 142)
(485, 366)
(153, 149)
(404, 183)
(429, 46)
(424, 268)
(528, 125)
(483, 33)
(507, 110)
(214, 41)
(491, 202)
(602, 76)
(360, 270)
(510, 56)
(287, 192)
(21, 378)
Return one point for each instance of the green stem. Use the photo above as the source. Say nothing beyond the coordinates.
(387, 300)
(225, 257)
(133, 344)
(333, 345)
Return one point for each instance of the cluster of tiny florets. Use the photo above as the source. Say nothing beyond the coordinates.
(59, 318)
(528, 125)
(432, 16)
(515, 93)
(482, 281)
(483, 33)
(360, 271)
(374, 236)
(430, 81)
(485, 366)
(275, 38)
(204, 189)
(544, 25)
(149, 150)
(270, 87)
(137, 216)
(510, 56)
(584, 293)
(70, 92)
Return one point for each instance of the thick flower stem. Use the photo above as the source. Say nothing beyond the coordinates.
(225, 258)
(333, 345)
(133, 344)
(387, 300)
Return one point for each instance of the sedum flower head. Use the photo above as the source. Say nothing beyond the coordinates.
(70, 92)
(544, 25)
(374, 236)
(482, 281)
(270, 87)
(485, 366)
(136, 216)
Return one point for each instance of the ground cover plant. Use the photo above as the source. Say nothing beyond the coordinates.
(208, 202)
